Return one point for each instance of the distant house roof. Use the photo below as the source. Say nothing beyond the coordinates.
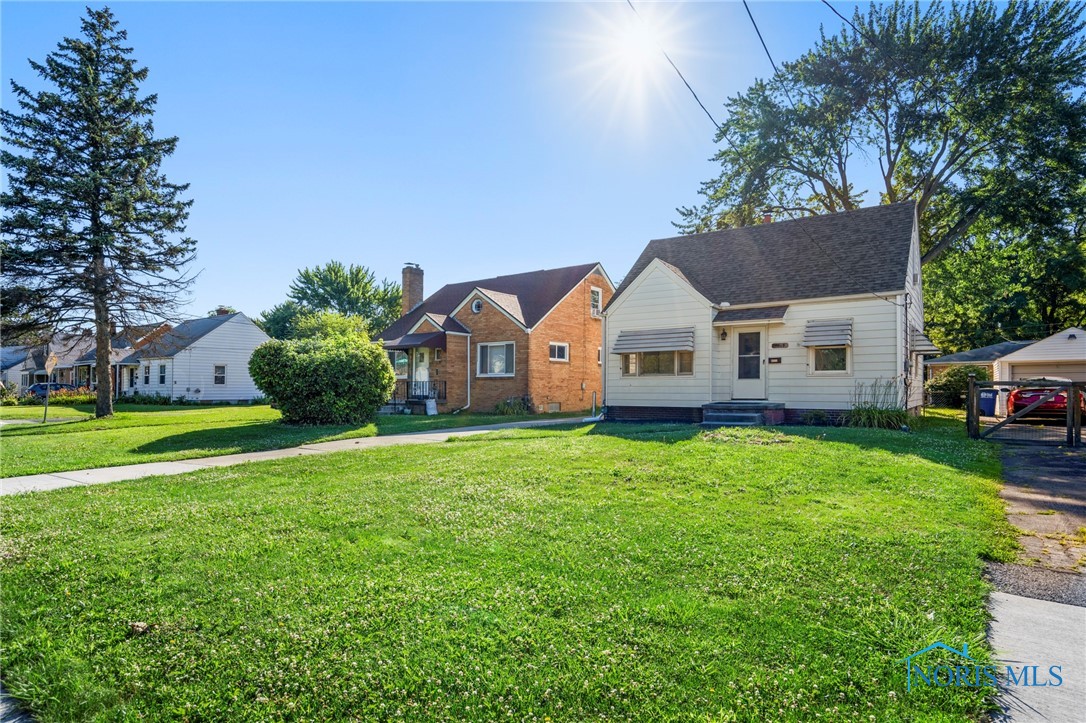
(983, 355)
(12, 356)
(821, 256)
(526, 297)
(183, 336)
(67, 348)
(122, 345)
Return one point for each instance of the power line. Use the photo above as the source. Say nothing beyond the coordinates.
(739, 154)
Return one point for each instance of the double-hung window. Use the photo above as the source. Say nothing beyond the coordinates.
(161, 374)
(497, 360)
(220, 374)
(146, 374)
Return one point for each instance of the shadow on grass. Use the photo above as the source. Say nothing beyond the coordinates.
(941, 440)
(245, 437)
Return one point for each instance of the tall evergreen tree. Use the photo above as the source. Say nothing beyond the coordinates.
(91, 228)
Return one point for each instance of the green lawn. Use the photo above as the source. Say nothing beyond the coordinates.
(155, 434)
(606, 572)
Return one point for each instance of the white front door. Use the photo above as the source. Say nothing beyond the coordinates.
(422, 365)
(749, 363)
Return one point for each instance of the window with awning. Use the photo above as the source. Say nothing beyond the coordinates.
(828, 332)
(649, 340)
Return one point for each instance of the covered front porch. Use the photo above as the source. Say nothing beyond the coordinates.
(413, 358)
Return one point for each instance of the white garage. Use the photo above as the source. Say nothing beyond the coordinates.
(1061, 356)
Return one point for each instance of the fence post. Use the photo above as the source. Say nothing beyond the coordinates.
(1075, 411)
(972, 409)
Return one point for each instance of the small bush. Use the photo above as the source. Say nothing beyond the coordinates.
(69, 397)
(8, 393)
(877, 405)
(948, 388)
(339, 380)
(815, 418)
(514, 406)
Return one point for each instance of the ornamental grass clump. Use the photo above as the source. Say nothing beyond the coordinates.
(877, 405)
(337, 380)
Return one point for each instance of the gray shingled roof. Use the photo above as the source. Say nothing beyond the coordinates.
(183, 335)
(983, 355)
(758, 313)
(534, 292)
(851, 253)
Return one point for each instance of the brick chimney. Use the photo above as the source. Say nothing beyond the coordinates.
(222, 310)
(767, 217)
(412, 287)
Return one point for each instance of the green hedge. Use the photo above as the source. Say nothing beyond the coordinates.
(340, 380)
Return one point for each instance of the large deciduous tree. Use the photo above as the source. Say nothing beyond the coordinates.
(975, 111)
(91, 228)
(349, 291)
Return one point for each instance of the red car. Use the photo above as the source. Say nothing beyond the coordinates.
(1022, 397)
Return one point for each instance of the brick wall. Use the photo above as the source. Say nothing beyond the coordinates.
(492, 325)
(569, 384)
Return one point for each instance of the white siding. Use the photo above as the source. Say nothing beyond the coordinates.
(914, 319)
(874, 353)
(658, 299)
(232, 345)
(1058, 347)
(154, 387)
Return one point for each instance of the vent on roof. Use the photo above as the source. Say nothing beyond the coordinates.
(828, 332)
(629, 342)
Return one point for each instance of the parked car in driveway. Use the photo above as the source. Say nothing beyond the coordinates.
(1022, 397)
(38, 390)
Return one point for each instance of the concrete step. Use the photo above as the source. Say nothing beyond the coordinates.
(718, 425)
(712, 416)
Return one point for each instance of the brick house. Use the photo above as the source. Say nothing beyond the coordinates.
(471, 345)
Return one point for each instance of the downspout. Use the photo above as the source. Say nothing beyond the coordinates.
(712, 343)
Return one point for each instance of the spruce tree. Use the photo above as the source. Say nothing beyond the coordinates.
(92, 231)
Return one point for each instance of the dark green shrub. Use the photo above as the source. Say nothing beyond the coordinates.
(948, 388)
(514, 406)
(155, 399)
(340, 380)
(815, 418)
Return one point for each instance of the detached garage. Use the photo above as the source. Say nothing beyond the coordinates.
(1061, 356)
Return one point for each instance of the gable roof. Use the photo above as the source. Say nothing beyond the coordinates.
(983, 355)
(1067, 345)
(184, 335)
(12, 355)
(853, 253)
(526, 297)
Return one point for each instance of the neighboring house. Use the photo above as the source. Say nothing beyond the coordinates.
(67, 348)
(12, 359)
(123, 362)
(1061, 356)
(203, 359)
(985, 356)
(474, 344)
(770, 321)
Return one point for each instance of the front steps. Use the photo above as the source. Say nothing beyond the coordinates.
(741, 414)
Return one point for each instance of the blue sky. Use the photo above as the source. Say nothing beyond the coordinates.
(472, 138)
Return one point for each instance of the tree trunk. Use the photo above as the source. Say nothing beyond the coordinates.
(103, 345)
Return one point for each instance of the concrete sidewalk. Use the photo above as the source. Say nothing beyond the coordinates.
(104, 475)
(1027, 631)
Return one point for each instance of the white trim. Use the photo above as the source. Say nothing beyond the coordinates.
(653, 265)
(478, 358)
(425, 317)
(560, 344)
(490, 301)
(812, 372)
(811, 300)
